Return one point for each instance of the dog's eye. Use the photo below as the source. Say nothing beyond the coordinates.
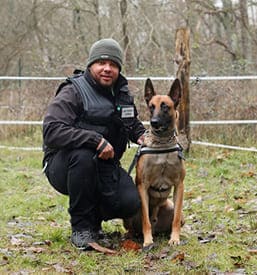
(165, 107)
(151, 108)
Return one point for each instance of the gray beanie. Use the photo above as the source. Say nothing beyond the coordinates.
(106, 48)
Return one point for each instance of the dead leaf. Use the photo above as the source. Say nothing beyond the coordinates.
(220, 158)
(16, 241)
(41, 218)
(207, 239)
(46, 269)
(149, 261)
(102, 249)
(59, 268)
(190, 195)
(202, 172)
(252, 251)
(197, 200)
(4, 261)
(238, 261)
(36, 250)
(48, 242)
(164, 253)
(189, 265)
(249, 174)
(130, 245)
(45, 242)
(177, 257)
(229, 208)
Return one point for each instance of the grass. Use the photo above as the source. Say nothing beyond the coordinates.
(219, 235)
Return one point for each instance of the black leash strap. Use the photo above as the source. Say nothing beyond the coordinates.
(95, 160)
(135, 159)
(99, 151)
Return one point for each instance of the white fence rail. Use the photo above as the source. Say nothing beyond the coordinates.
(252, 149)
(216, 122)
(196, 122)
(194, 78)
(240, 77)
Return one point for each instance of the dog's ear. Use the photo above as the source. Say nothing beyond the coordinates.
(175, 92)
(149, 90)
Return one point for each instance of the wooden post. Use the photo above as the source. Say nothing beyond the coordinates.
(182, 69)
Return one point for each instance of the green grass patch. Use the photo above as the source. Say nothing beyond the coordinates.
(219, 235)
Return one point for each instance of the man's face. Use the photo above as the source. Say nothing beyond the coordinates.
(105, 72)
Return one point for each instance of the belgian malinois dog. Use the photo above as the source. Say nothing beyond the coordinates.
(160, 166)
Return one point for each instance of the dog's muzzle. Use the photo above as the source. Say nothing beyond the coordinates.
(159, 125)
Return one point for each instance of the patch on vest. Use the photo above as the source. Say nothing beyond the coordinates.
(127, 112)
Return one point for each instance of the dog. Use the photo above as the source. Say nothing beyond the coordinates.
(160, 166)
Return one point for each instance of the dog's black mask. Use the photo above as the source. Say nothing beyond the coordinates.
(160, 123)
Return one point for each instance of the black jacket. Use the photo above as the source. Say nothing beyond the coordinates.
(62, 123)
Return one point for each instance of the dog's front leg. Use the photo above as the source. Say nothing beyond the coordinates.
(146, 224)
(154, 217)
(178, 204)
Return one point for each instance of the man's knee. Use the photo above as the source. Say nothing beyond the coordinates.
(124, 201)
(82, 158)
(130, 202)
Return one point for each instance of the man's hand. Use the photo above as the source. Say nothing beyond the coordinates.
(105, 150)
(141, 139)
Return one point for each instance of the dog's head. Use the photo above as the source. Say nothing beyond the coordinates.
(163, 113)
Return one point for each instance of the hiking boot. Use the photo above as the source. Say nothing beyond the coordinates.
(81, 239)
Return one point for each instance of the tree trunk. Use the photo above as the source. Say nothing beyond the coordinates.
(244, 28)
(127, 48)
(182, 69)
(98, 18)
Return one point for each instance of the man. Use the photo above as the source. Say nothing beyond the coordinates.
(85, 132)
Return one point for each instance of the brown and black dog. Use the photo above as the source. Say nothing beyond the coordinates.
(160, 166)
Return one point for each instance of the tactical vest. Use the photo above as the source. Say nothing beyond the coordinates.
(103, 116)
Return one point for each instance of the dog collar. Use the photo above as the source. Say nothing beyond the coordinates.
(157, 150)
(164, 135)
(159, 139)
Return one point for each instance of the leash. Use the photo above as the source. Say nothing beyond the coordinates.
(135, 159)
(141, 150)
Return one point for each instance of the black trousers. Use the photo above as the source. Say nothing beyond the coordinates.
(98, 190)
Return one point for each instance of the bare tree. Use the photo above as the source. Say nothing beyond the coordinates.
(39, 37)
(126, 41)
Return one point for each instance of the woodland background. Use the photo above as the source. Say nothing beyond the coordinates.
(40, 37)
(49, 38)
(52, 37)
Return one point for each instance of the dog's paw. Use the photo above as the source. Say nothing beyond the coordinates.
(174, 238)
(174, 241)
(147, 247)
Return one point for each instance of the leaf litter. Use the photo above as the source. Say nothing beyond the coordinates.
(220, 209)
